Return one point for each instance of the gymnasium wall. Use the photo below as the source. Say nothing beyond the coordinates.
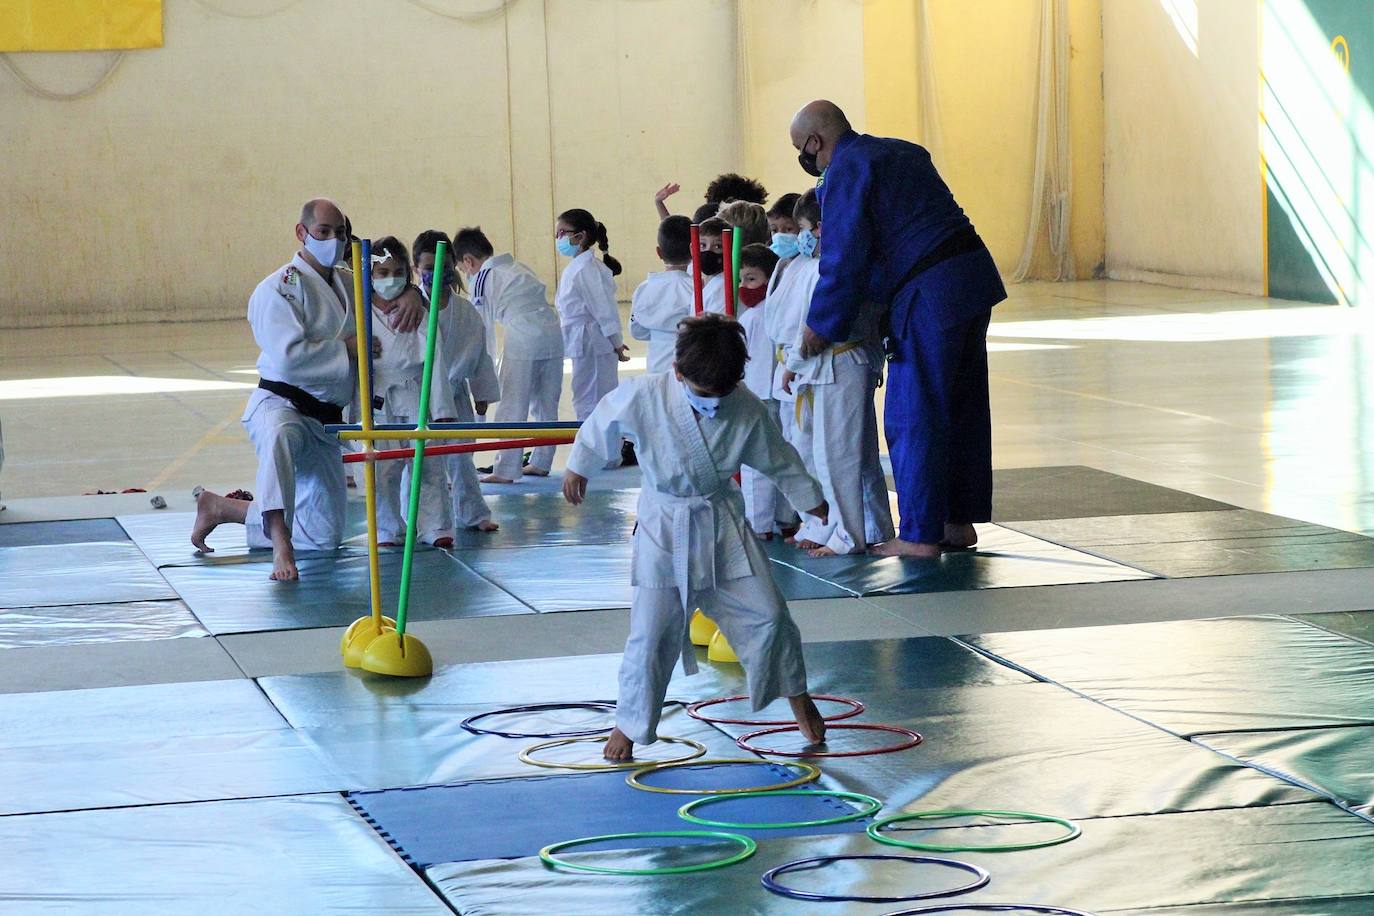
(1184, 200)
(984, 59)
(172, 191)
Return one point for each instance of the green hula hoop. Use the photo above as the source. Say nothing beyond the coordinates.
(874, 806)
(809, 773)
(747, 849)
(527, 755)
(875, 830)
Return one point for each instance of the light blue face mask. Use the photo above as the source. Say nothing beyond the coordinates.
(784, 245)
(806, 243)
(566, 248)
(326, 252)
(703, 405)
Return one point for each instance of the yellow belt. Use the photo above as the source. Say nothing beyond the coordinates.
(809, 393)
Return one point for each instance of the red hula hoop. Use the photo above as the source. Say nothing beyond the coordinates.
(694, 710)
(913, 739)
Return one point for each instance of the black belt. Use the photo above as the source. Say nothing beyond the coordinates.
(306, 403)
(964, 241)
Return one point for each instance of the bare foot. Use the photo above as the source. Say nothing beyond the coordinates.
(809, 718)
(388, 544)
(443, 543)
(488, 526)
(900, 548)
(790, 539)
(492, 478)
(535, 472)
(283, 554)
(619, 748)
(806, 545)
(822, 552)
(213, 510)
(284, 566)
(959, 537)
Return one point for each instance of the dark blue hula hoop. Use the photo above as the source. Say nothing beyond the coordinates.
(770, 883)
(990, 908)
(601, 705)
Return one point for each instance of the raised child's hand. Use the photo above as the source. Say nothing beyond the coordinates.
(574, 487)
(667, 191)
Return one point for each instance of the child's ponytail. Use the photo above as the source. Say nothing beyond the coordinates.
(605, 244)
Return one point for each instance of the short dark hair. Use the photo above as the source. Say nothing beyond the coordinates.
(784, 206)
(705, 212)
(732, 186)
(713, 226)
(675, 240)
(427, 242)
(808, 208)
(471, 240)
(760, 256)
(711, 352)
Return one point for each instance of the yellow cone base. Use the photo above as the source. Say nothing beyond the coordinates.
(719, 650)
(701, 629)
(363, 625)
(398, 656)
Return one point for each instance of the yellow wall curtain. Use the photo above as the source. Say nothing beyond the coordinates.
(80, 25)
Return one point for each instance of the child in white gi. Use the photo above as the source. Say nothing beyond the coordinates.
(766, 511)
(587, 309)
(471, 376)
(302, 320)
(712, 264)
(693, 429)
(531, 369)
(837, 394)
(665, 297)
(397, 374)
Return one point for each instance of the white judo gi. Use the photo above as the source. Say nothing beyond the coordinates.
(397, 374)
(591, 329)
(471, 377)
(764, 506)
(789, 296)
(836, 393)
(658, 304)
(713, 294)
(531, 371)
(300, 323)
(691, 546)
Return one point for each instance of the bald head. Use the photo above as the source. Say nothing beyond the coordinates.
(815, 131)
(320, 208)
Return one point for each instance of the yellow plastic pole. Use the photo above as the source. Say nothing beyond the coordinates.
(494, 432)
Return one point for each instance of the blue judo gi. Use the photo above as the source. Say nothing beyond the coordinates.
(893, 236)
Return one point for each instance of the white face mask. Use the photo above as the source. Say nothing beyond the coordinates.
(388, 287)
(326, 251)
(703, 405)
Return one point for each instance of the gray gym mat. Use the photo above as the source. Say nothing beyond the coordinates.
(283, 856)
(1004, 559)
(1210, 543)
(96, 623)
(93, 573)
(1074, 491)
(1204, 676)
(165, 537)
(1241, 855)
(547, 520)
(84, 531)
(333, 591)
(1355, 624)
(1337, 762)
(344, 697)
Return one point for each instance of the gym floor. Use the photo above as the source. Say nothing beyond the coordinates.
(1167, 636)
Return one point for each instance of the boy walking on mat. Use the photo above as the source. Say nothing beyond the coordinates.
(693, 428)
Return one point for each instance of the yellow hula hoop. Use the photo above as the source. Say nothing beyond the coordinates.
(810, 773)
(527, 755)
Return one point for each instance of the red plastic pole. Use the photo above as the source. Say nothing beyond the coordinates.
(455, 449)
(727, 248)
(696, 269)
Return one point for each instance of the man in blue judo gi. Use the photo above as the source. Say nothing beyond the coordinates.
(894, 238)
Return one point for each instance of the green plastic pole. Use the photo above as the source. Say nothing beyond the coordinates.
(738, 246)
(421, 422)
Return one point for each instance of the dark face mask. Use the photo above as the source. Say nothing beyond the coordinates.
(808, 160)
(712, 263)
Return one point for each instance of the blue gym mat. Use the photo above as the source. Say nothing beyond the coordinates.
(78, 531)
(512, 818)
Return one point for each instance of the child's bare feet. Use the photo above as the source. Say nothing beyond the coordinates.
(620, 749)
(806, 545)
(443, 543)
(283, 554)
(492, 478)
(822, 552)
(213, 510)
(900, 548)
(284, 565)
(533, 471)
(809, 718)
(487, 526)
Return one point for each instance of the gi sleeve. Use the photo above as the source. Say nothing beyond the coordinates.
(598, 291)
(846, 247)
(280, 333)
(483, 382)
(767, 452)
(637, 330)
(598, 440)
